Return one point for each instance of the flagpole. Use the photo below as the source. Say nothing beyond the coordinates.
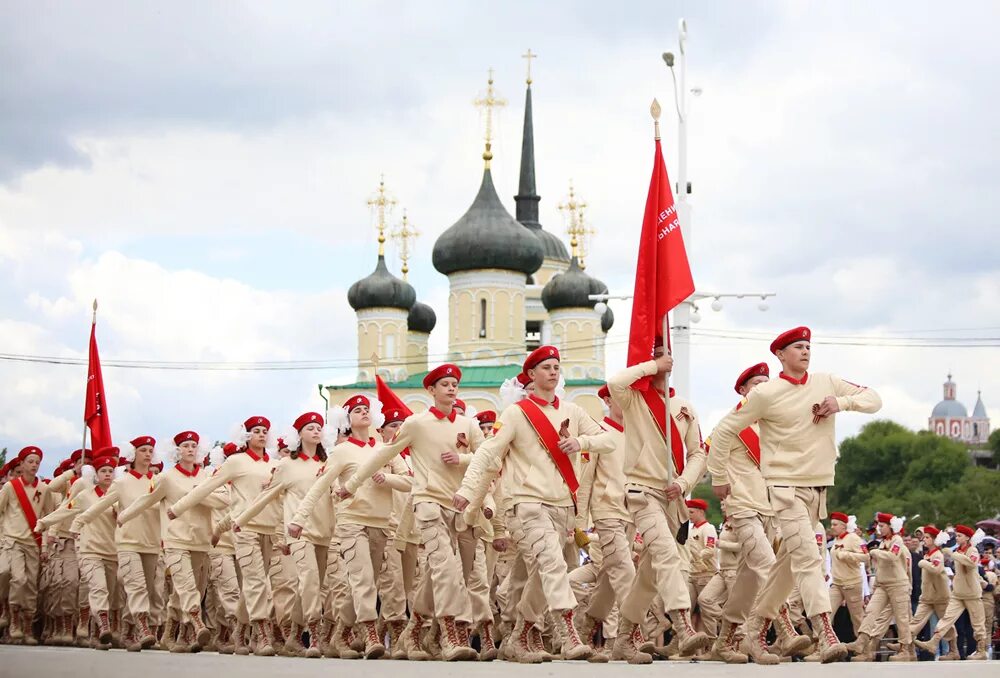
(83, 443)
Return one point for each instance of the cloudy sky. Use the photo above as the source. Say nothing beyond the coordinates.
(203, 170)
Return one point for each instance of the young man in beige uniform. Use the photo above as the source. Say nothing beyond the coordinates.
(441, 444)
(543, 486)
(98, 557)
(966, 595)
(713, 597)
(248, 471)
(848, 554)
(601, 499)
(657, 477)
(893, 585)
(702, 547)
(798, 455)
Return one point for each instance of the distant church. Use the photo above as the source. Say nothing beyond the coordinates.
(513, 287)
(949, 418)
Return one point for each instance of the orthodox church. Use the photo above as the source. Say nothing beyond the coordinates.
(950, 418)
(513, 287)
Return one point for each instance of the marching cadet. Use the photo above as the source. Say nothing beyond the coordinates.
(247, 471)
(798, 455)
(98, 556)
(712, 598)
(702, 551)
(655, 510)
(138, 544)
(601, 500)
(893, 585)
(537, 442)
(441, 443)
(486, 419)
(362, 521)
(292, 478)
(750, 514)
(848, 555)
(966, 595)
(187, 540)
(223, 595)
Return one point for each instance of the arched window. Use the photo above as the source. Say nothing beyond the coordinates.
(390, 346)
(482, 318)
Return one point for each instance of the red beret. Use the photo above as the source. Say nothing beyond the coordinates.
(604, 392)
(395, 414)
(105, 460)
(306, 419)
(883, 517)
(790, 337)
(487, 417)
(758, 370)
(158, 466)
(107, 452)
(966, 530)
(836, 515)
(697, 504)
(26, 452)
(229, 449)
(460, 404)
(80, 454)
(143, 440)
(932, 531)
(122, 461)
(257, 421)
(185, 436)
(540, 354)
(357, 401)
(440, 372)
(523, 379)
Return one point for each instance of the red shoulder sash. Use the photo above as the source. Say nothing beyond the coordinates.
(751, 440)
(26, 507)
(550, 440)
(658, 408)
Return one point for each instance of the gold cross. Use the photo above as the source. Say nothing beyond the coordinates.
(489, 102)
(529, 55)
(573, 208)
(382, 204)
(404, 233)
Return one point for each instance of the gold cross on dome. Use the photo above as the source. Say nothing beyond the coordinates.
(528, 56)
(404, 234)
(573, 208)
(488, 102)
(382, 204)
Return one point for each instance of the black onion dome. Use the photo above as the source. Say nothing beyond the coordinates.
(607, 320)
(571, 289)
(487, 236)
(552, 246)
(421, 319)
(381, 289)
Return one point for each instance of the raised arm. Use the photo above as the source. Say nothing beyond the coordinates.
(320, 488)
(488, 459)
(274, 490)
(620, 385)
(592, 437)
(399, 479)
(223, 475)
(379, 459)
(99, 507)
(65, 510)
(61, 482)
(854, 398)
(145, 501)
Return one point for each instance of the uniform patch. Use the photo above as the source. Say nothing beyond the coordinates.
(497, 426)
(710, 542)
(895, 549)
(864, 548)
(935, 562)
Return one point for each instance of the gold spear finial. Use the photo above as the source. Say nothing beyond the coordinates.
(488, 102)
(654, 110)
(528, 56)
(382, 205)
(573, 209)
(375, 359)
(404, 233)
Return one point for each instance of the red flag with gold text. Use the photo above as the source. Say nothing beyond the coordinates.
(95, 410)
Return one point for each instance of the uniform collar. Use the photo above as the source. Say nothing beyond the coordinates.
(189, 474)
(305, 457)
(371, 442)
(253, 455)
(841, 536)
(701, 523)
(933, 551)
(135, 474)
(614, 424)
(98, 491)
(438, 414)
(543, 403)
(797, 382)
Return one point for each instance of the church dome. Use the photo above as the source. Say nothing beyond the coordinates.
(979, 411)
(607, 320)
(421, 319)
(381, 289)
(487, 236)
(552, 246)
(949, 409)
(571, 289)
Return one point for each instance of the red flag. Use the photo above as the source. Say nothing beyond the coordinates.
(662, 275)
(95, 412)
(390, 401)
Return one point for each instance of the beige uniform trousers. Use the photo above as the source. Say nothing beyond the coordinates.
(137, 575)
(284, 584)
(101, 576)
(25, 563)
(338, 592)
(254, 556)
(189, 578)
(362, 549)
(224, 584)
(473, 554)
(754, 564)
(616, 571)
(853, 598)
(989, 612)
(796, 510)
(659, 570)
(922, 615)
(894, 598)
(391, 584)
(408, 563)
(713, 599)
(65, 573)
(310, 561)
(540, 531)
(442, 592)
(956, 606)
(697, 584)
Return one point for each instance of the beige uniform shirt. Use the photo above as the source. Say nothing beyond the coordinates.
(97, 538)
(602, 482)
(965, 585)
(848, 551)
(934, 586)
(702, 546)
(892, 562)
(741, 471)
(142, 534)
(290, 483)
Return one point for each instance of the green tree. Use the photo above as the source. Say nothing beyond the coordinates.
(994, 444)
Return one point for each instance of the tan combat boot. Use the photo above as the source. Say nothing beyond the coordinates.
(487, 643)
(726, 646)
(627, 644)
(265, 638)
(755, 642)
(452, 648)
(829, 646)
(572, 647)
(690, 640)
(373, 643)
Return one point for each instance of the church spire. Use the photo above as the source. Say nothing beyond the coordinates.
(527, 198)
